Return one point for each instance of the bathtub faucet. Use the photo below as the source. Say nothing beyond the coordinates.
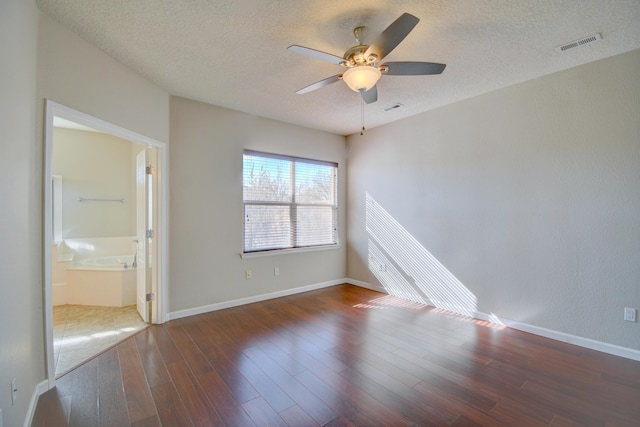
(135, 255)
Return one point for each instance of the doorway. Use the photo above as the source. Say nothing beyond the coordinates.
(136, 254)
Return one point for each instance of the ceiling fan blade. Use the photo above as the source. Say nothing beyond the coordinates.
(392, 36)
(413, 68)
(371, 95)
(316, 54)
(320, 84)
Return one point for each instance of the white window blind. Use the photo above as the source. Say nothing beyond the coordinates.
(289, 202)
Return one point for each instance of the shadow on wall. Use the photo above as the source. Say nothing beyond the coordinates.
(407, 270)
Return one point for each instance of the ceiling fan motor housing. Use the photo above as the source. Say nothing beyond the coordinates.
(355, 56)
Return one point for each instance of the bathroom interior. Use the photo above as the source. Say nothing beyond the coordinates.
(97, 258)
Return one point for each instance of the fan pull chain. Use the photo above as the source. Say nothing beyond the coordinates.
(362, 115)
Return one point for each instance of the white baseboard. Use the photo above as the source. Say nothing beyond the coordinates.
(613, 349)
(39, 389)
(248, 300)
(365, 285)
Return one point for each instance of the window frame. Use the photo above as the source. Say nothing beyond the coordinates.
(292, 205)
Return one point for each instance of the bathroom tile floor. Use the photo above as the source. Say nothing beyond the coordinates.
(81, 332)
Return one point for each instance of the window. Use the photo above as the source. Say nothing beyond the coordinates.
(289, 202)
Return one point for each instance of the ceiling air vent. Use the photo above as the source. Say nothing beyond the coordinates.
(576, 43)
(394, 106)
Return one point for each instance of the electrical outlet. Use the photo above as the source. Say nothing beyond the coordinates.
(276, 271)
(248, 275)
(14, 391)
(630, 314)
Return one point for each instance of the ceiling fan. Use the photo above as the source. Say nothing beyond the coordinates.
(362, 62)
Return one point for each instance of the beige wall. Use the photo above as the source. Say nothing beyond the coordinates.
(41, 59)
(95, 165)
(528, 196)
(206, 205)
(21, 328)
(76, 74)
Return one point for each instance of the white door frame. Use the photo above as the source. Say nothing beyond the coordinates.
(161, 234)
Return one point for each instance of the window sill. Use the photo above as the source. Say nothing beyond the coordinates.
(288, 251)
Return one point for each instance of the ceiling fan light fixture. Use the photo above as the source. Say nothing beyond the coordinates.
(361, 78)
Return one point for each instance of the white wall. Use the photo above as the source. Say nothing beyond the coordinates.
(95, 165)
(21, 328)
(528, 196)
(206, 205)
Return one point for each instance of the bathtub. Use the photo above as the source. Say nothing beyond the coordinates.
(104, 281)
(110, 263)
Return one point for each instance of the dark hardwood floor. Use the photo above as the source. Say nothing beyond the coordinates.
(343, 356)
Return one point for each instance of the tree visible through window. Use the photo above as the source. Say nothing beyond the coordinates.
(289, 202)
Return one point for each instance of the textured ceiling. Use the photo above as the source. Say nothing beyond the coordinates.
(233, 53)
